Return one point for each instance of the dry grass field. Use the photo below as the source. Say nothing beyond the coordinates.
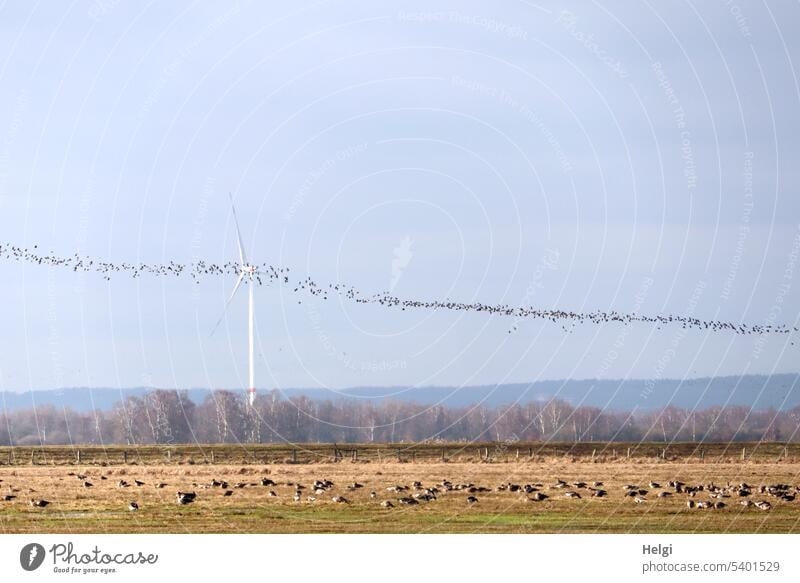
(488, 473)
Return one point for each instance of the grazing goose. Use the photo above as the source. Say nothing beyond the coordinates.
(133, 507)
(599, 493)
(267, 482)
(138, 482)
(640, 499)
(655, 485)
(410, 501)
(387, 504)
(664, 494)
(272, 493)
(763, 505)
(161, 485)
(373, 494)
(719, 505)
(122, 484)
(87, 484)
(579, 484)
(8, 497)
(186, 497)
(703, 504)
(39, 503)
(471, 499)
(539, 497)
(340, 500)
(690, 503)
(571, 494)
(747, 503)
(228, 493)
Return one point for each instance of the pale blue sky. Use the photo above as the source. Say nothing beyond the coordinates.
(603, 157)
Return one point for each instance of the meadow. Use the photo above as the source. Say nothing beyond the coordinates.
(474, 488)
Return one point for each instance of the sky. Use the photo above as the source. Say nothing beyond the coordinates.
(583, 156)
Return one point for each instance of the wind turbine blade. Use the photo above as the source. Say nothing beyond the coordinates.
(242, 255)
(225, 309)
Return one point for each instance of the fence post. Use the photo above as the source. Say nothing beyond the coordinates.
(743, 453)
(79, 457)
(442, 454)
(398, 454)
(702, 455)
(10, 458)
(169, 455)
(124, 457)
(33, 457)
(594, 451)
(294, 456)
(629, 453)
(614, 454)
(355, 455)
(664, 454)
(486, 453)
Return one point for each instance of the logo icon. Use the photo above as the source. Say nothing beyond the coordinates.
(31, 556)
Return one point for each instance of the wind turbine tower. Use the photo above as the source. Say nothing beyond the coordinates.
(247, 271)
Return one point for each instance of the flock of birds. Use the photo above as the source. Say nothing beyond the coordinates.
(697, 496)
(265, 274)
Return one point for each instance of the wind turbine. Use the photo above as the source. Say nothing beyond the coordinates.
(247, 272)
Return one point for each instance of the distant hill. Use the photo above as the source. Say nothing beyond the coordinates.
(780, 392)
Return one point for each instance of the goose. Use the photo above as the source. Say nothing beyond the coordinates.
(763, 505)
(80, 476)
(39, 503)
(411, 501)
(138, 482)
(719, 505)
(122, 484)
(267, 482)
(539, 497)
(640, 499)
(655, 485)
(272, 493)
(471, 499)
(599, 493)
(311, 499)
(747, 503)
(133, 507)
(340, 500)
(417, 485)
(373, 494)
(387, 504)
(87, 485)
(690, 503)
(228, 493)
(703, 504)
(597, 484)
(296, 497)
(240, 485)
(571, 494)
(664, 494)
(579, 484)
(161, 485)
(8, 497)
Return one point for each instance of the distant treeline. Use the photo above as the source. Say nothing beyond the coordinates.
(170, 417)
